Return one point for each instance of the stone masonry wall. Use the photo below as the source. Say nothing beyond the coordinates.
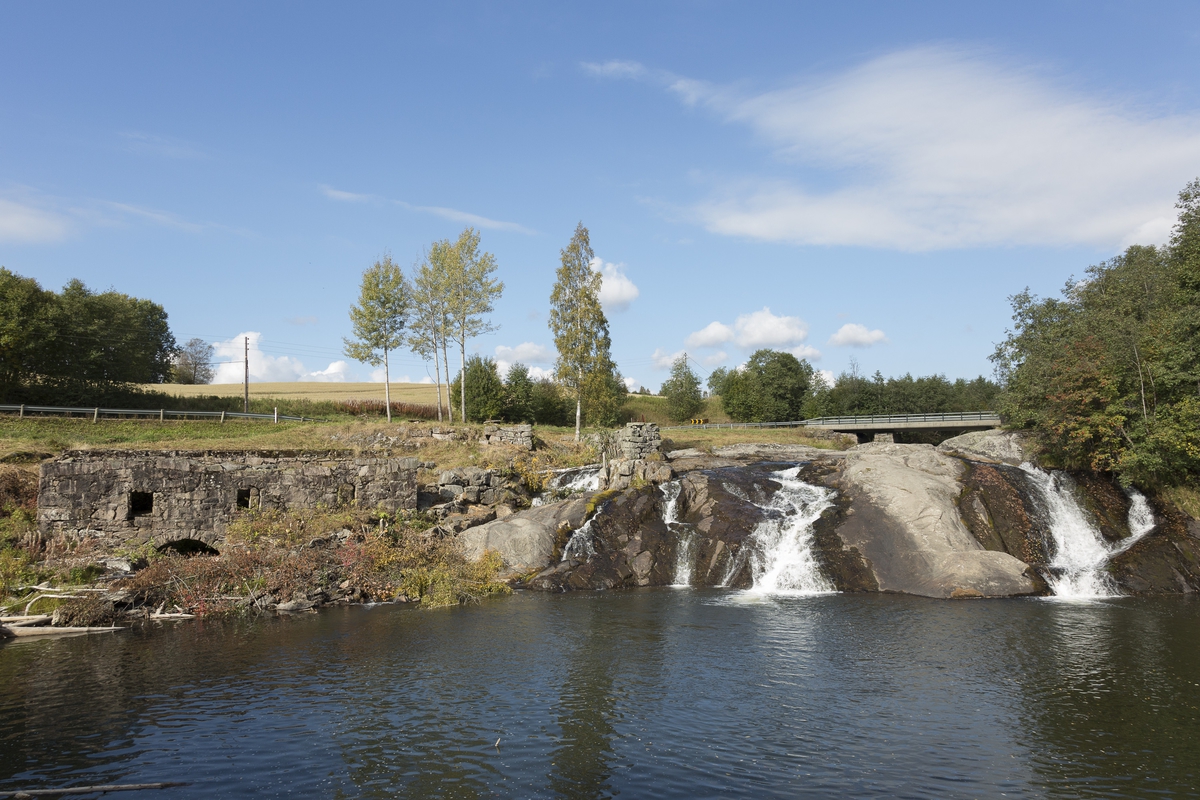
(517, 435)
(638, 440)
(130, 498)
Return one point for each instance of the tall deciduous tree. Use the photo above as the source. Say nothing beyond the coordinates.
(193, 363)
(471, 290)
(427, 327)
(580, 328)
(379, 319)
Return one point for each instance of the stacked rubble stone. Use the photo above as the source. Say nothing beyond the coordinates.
(638, 440)
(470, 485)
(515, 435)
(128, 498)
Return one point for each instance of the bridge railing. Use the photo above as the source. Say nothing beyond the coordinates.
(872, 419)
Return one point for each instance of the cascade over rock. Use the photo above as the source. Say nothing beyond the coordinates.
(960, 520)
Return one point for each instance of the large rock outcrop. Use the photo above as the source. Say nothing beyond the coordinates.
(904, 519)
(528, 540)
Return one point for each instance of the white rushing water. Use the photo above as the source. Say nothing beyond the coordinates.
(1080, 550)
(685, 537)
(780, 548)
(579, 546)
(586, 479)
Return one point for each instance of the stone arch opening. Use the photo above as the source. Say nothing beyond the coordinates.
(188, 547)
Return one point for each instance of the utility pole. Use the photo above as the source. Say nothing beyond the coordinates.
(246, 383)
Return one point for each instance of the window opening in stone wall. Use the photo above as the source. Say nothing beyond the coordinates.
(249, 498)
(140, 504)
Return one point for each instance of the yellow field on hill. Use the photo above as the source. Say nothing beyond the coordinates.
(401, 392)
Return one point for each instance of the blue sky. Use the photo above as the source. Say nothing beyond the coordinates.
(850, 180)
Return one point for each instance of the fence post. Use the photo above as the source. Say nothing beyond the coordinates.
(276, 415)
(22, 414)
(222, 416)
(161, 415)
(96, 415)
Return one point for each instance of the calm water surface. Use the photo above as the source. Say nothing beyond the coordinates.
(665, 693)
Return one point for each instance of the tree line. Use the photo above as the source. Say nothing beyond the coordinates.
(1108, 375)
(775, 386)
(66, 346)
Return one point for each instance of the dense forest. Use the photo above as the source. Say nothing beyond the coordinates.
(1108, 375)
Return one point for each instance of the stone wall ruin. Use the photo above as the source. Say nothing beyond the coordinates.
(129, 498)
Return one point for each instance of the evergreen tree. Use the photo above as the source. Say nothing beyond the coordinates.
(482, 388)
(518, 394)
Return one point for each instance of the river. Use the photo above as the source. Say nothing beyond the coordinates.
(653, 693)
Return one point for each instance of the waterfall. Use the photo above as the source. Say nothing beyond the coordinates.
(780, 548)
(1080, 551)
(579, 546)
(584, 479)
(685, 537)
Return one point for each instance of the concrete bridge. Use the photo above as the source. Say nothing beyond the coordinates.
(879, 423)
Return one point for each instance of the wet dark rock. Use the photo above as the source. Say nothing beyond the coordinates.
(997, 508)
(1164, 561)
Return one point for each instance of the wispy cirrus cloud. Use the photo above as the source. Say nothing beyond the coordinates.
(162, 146)
(453, 214)
(30, 223)
(934, 148)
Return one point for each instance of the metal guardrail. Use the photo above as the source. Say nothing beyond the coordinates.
(161, 413)
(824, 422)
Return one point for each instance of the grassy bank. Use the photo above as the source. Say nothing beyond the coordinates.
(651, 408)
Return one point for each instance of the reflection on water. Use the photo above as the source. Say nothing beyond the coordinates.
(681, 693)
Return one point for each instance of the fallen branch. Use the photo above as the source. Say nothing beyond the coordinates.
(29, 605)
(124, 787)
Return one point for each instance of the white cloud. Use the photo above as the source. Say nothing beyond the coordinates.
(828, 376)
(714, 359)
(616, 290)
(336, 372)
(854, 335)
(764, 329)
(806, 351)
(527, 353)
(711, 335)
(664, 360)
(934, 148)
(20, 222)
(263, 368)
(632, 384)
